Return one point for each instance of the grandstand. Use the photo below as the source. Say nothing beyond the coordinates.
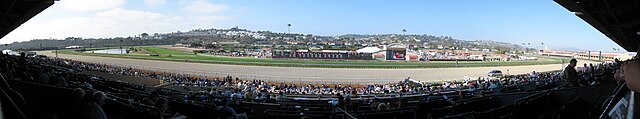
(588, 55)
(44, 87)
(49, 79)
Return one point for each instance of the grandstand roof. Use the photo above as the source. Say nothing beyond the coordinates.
(616, 19)
(14, 13)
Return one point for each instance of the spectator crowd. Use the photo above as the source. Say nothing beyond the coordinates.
(228, 94)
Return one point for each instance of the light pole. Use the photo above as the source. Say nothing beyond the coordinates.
(90, 45)
(562, 67)
(121, 52)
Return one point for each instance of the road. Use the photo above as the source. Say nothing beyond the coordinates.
(310, 75)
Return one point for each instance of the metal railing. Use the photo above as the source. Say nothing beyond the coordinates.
(346, 113)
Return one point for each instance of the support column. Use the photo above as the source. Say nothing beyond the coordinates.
(600, 55)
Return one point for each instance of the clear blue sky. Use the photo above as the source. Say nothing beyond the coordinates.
(513, 21)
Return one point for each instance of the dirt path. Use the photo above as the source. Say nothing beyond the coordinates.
(312, 75)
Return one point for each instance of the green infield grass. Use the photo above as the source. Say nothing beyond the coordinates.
(180, 56)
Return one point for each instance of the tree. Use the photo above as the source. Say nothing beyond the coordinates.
(196, 45)
(326, 47)
(144, 35)
(212, 46)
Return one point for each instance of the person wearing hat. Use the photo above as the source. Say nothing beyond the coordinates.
(571, 75)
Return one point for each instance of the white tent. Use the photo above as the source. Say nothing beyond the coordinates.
(368, 50)
(410, 80)
(10, 52)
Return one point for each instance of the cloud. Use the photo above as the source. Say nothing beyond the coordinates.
(129, 15)
(116, 22)
(155, 2)
(203, 6)
(90, 5)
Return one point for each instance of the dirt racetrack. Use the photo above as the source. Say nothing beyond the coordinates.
(310, 75)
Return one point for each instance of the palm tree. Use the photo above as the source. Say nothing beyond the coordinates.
(289, 28)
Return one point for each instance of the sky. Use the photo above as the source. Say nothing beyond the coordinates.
(512, 21)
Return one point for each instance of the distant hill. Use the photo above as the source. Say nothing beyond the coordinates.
(266, 38)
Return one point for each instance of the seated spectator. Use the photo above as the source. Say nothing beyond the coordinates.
(618, 75)
(259, 97)
(226, 110)
(25, 76)
(374, 104)
(42, 77)
(62, 82)
(93, 109)
(150, 100)
(249, 95)
(78, 96)
(399, 102)
(280, 96)
(161, 106)
(348, 103)
(78, 102)
(383, 106)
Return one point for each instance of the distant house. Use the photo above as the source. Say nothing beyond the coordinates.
(178, 45)
(73, 47)
(229, 43)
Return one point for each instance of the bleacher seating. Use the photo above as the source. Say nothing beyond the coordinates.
(33, 99)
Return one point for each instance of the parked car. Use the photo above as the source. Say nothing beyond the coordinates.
(494, 73)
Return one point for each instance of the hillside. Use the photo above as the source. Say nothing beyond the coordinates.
(265, 38)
